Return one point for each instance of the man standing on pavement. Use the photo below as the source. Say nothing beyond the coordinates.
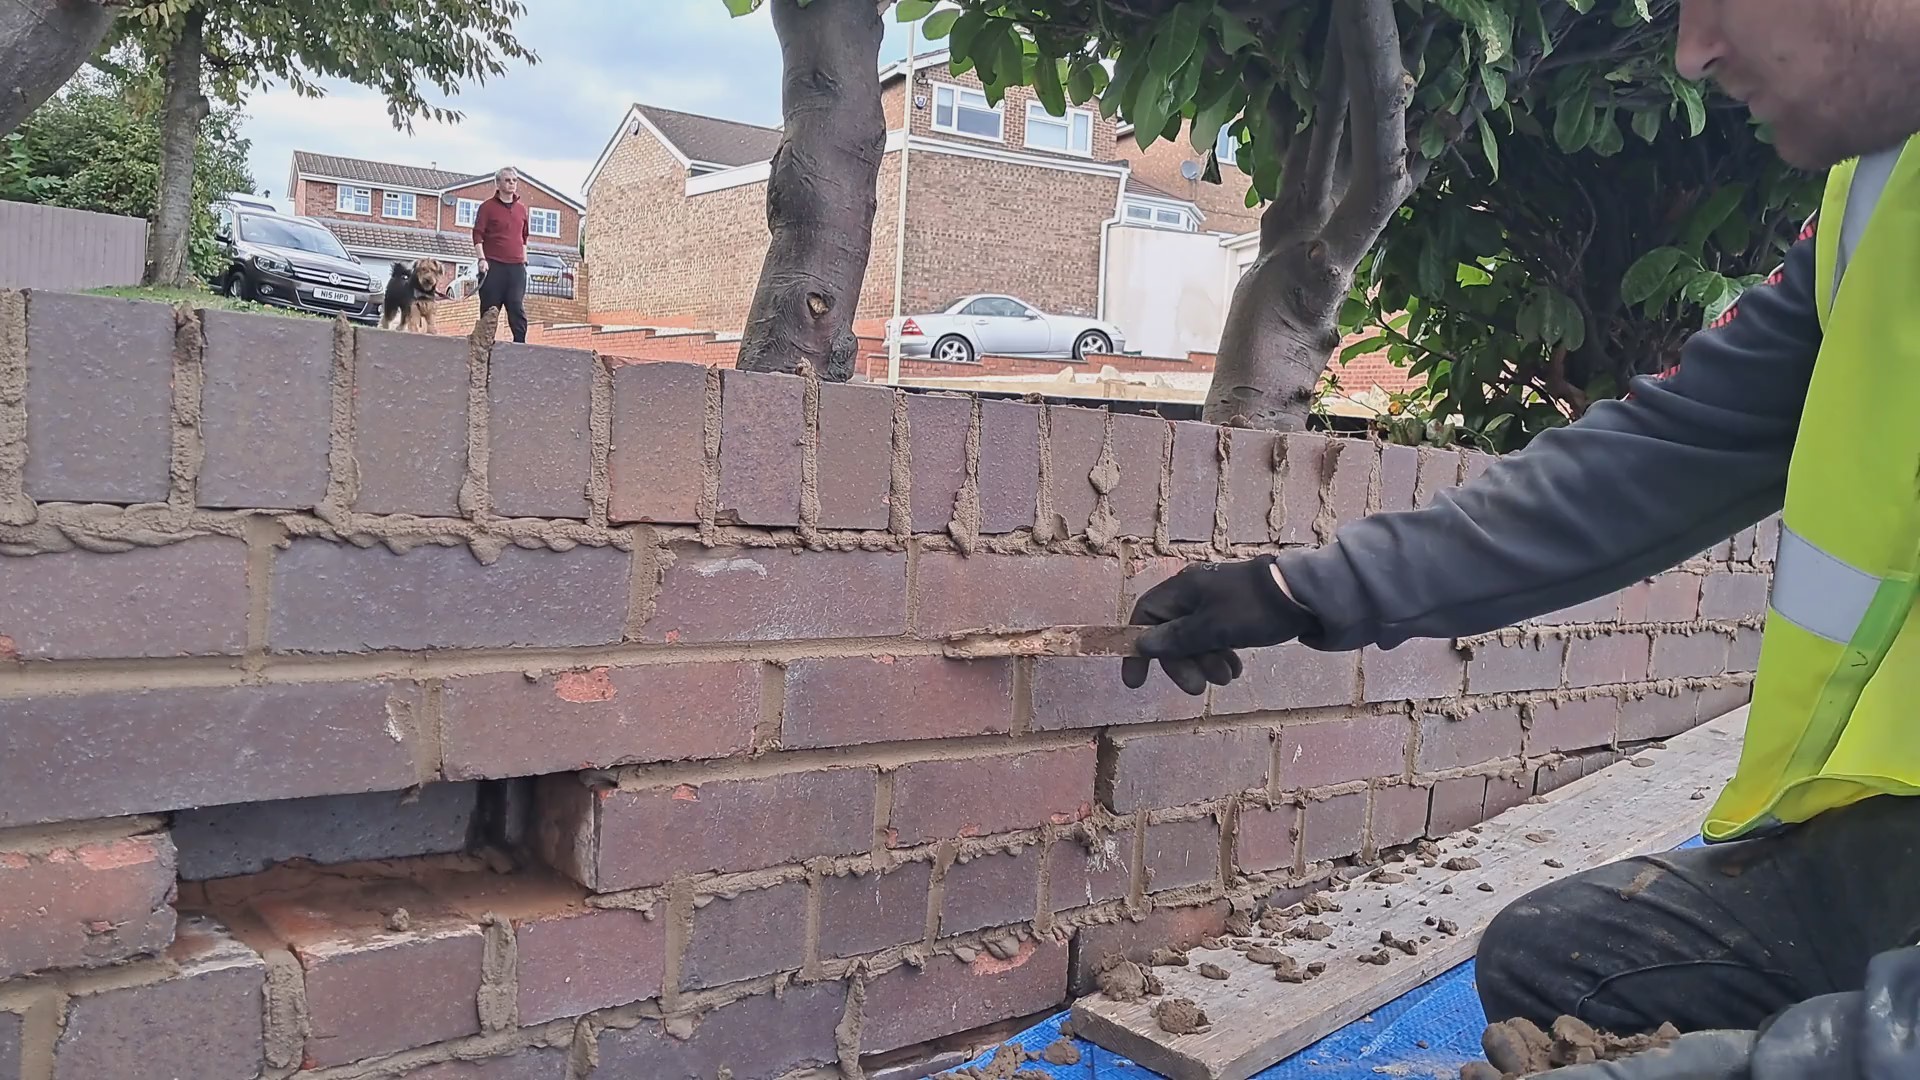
(1786, 946)
(500, 234)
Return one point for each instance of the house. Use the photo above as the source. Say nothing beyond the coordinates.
(1175, 169)
(386, 212)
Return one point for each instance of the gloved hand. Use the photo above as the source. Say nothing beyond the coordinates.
(1203, 613)
(1701, 1055)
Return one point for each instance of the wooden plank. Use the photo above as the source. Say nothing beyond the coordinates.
(1257, 1021)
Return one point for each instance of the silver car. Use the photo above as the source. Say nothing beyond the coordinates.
(989, 324)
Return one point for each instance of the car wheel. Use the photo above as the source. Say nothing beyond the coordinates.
(953, 349)
(238, 287)
(1093, 341)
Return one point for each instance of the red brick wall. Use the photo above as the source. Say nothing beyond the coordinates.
(391, 595)
(1223, 205)
(318, 198)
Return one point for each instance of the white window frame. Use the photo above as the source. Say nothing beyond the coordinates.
(957, 96)
(398, 204)
(535, 215)
(1226, 148)
(1153, 215)
(1038, 112)
(465, 211)
(347, 200)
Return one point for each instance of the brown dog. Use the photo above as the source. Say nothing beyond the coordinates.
(413, 295)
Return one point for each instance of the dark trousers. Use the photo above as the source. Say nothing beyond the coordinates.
(1722, 936)
(506, 284)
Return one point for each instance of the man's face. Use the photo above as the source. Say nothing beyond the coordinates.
(1830, 76)
(508, 185)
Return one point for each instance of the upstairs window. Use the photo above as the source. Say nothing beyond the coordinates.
(352, 200)
(966, 112)
(1069, 134)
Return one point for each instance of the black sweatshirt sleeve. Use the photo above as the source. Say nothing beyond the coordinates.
(1633, 488)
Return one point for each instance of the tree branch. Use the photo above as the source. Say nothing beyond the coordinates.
(1378, 90)
(1311, 159)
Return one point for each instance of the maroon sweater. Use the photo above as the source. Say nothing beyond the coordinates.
(500, 230)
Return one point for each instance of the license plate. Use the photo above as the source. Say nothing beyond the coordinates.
(335, 295)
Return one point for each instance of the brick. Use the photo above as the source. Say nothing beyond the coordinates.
(332, 598)
(1439, 470)
(657, 462)
(1168, 927)
(851, 700)
(1266, 839)
(1086, 692)
(1659, 716)
(538, 430)
(1290, 676)
(1399, 815)
(580, 959)
(645, 836)
(1497, 668)
(1675, 597)
(1347, 489)
(1743, 545)
(1729, 595)
(1145, 771)
(1195, 485)
(1599, 609)
(1573, 725)
(863, 913)
(1457, 804)
(756, 1038)
(1334, 828)
(1082, 872)
(10, 1064)
(1677, 656)
(200, 1020)
(1608, 659)
(1009, 465)
(937, 425)
(938, 800)
(855, 474)
(1720, 701)
(1142, 575)
(534, 1063)
(740, 594)
(507, 724)
(1550, 778)
(994, 889)
(182, 599)
(69, 757)
(760, 448)
(1399, 473)
(1076, 438)
(84, 445)
(1449, 743)
(1477, 465)
(1744, 654)
(1336, 751)
(1303, 467)
(374, 991)
(745, 936)
(1721, 552)
(1634, 601)
(1766, 541)
(84, 903)
(266, 400)
(1417, 669)
(948, 995)
(1506, 792)
(410, 423)
(1251, 464)
(227, 841)
(1183, 853)
(1139, 448)
(1014, 592)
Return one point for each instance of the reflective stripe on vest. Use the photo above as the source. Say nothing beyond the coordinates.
(1870, 176)
(1819, 593)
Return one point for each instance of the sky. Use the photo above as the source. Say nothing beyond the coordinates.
(551, 119)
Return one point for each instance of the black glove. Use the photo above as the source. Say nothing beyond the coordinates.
(1203, 613)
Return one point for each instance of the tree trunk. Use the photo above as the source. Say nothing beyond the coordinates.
(1282, 326)
(821, 194)
(42, 43)
(180, 121)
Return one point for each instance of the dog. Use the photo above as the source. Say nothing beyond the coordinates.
(413, 295)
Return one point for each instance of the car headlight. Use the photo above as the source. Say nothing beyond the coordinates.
(273, 264)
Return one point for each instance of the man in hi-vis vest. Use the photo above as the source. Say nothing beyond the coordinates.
(1787, 944)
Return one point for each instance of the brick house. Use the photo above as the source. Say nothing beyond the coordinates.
(999, 199)
(1165, 166)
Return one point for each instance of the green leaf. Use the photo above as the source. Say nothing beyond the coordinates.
(940, 24)
(1719, 300)
(1648, 273)
(1573, 125)
(1151, 112)
(966, 31)
(1176, 39)
(1080, 83)
(1607, 139)
(1433, 141)
(907, 11)
(1641, 9)
(1234, 35)
(1490, 25)
(736, 8)
(1734, 234)
(1128, 70)
(1471, 276)
(1646, 124)
(1047, 88)
(1490, 146)
(1496, 83)
(1581, 6)
(1709, 215)
(1216, 114)
(1689, 96)
(1362, 348)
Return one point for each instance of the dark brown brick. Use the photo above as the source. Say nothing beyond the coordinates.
(1168, 927)
(538, 431)
(1549, 778)
(760, 447)
(1084, 872)
(1399, 472)
(1439, 470)
(1251, 463)
(1766, 541)
(265, 402)
(579, 959)
(938, 800)
(1183, 853)
(1195, 485)
(534, 1063)
(994, 889)
(1675, 597)
(1718, 702)
(1139, 448)
(510, 725)
(1498, 668)
(937, 426)
(1743, 545)
(1634, 601)
(908, 1005)
(865, 699)
(1300, 484)
(1266, 839)
(1659, 716)
(1449, 743)
(1015, 592)
(410, 423)
(1077, 436)
(742, 594)
(1143, 574)
(757, 1038)
(644, 836)
(1677, 656)
(84, 903)
(1399, 815)
(1609, 659)
(70, 757)
(1720, 552)
(1336, 751)
(330, 597)
(1172, 769)
(1417, 669)
(1506, 792)
(1573, 725)
(184, 599)
(1457, 804)
(855, 459)
(1290, 676)
(1729, 595)
(374, 992)
(658, 456)
(227, 841)
(1334, 828)
(1086, 692)
(200, 1020)
(745, 936)
(1600, 609)
(863, 913)
(1744, 654)
(1353, 466)
(1009, 465)
(84, 445)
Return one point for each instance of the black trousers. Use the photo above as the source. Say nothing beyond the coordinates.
(1715, 937)
(506, 284)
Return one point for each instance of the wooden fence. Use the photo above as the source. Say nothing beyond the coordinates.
(51, 247)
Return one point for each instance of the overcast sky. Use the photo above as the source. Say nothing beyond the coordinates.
(552, 118)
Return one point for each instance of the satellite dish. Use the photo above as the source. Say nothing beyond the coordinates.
(1190, 170)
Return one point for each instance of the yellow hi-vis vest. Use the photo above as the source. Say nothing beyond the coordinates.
(1836, 704)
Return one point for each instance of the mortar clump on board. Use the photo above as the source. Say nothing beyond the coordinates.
(1517, 1049)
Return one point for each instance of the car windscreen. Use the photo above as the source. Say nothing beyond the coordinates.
(298, 235)
(548, 262)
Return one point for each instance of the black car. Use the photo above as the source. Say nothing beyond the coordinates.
(293, 262)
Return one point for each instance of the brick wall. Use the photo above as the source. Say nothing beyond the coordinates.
(392, 706)
(319, 198)
(1223, 206)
